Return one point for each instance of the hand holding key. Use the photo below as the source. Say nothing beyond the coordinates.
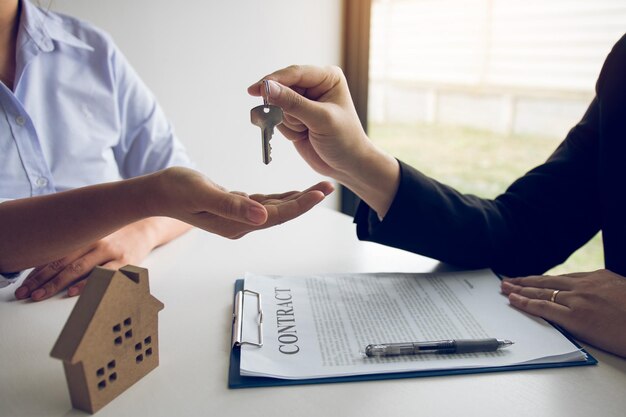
(319, 117)
(266, 117)
(321, 121)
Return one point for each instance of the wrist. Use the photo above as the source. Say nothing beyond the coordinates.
(150, 195)
(355, 161)
(149, 231)
(375, 179)
(152, 232)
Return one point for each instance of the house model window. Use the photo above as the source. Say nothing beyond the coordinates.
(110, 340)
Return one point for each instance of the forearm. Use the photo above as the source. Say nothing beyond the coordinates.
(434, 220)
(41, 229)
(541, 219)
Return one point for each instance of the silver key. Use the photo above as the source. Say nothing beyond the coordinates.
(266, 117)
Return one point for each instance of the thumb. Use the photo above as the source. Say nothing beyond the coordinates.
(237, 207)
(308, 111)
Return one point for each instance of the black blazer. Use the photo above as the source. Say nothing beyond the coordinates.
(543, 217)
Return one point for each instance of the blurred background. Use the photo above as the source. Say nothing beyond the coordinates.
(477, 92)
(472, 92)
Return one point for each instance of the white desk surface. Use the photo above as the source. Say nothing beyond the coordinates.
(194, 277)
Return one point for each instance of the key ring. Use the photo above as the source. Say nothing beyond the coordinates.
(267, 93)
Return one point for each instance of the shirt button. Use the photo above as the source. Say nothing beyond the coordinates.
(20, 120)
(41, 182)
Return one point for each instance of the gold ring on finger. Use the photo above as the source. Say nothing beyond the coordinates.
(554, 294)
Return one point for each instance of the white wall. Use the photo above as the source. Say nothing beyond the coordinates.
(199, 57)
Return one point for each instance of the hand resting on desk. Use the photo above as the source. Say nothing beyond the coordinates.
(128, 245)
(589, 305)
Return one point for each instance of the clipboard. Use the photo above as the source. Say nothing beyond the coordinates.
(236, 380)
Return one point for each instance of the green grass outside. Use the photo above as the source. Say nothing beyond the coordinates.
(477, 162)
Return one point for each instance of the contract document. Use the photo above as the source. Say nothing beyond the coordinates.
(318, 326)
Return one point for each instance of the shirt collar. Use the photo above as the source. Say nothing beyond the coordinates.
(44, 28)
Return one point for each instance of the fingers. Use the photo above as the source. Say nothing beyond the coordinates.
(293, 129)
(42, 274)
(54, 277)
(293, 123)
(279, 207)
(234, 206)
(553, 312)
(31, 283)
(558, 282)
(291, 134)
(292, 103)
(296, 90)
(536, 293)
(77, 288)
(323, 186)
(307, 80)
(262, 198)
(290, 209)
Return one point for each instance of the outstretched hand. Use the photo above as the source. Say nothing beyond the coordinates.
(182, 194)
(589, 305)
(280, 208)
(194, 199)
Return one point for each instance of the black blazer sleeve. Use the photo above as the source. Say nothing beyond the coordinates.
(537, 223)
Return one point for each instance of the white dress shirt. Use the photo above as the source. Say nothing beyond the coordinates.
(79, 114)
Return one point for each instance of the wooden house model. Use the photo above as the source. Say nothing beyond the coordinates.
(110, 340)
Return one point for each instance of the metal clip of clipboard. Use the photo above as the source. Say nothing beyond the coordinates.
(238, 319)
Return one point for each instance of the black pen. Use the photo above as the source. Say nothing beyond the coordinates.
(438, 346)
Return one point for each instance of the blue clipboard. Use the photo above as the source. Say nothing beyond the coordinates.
(236, 380)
